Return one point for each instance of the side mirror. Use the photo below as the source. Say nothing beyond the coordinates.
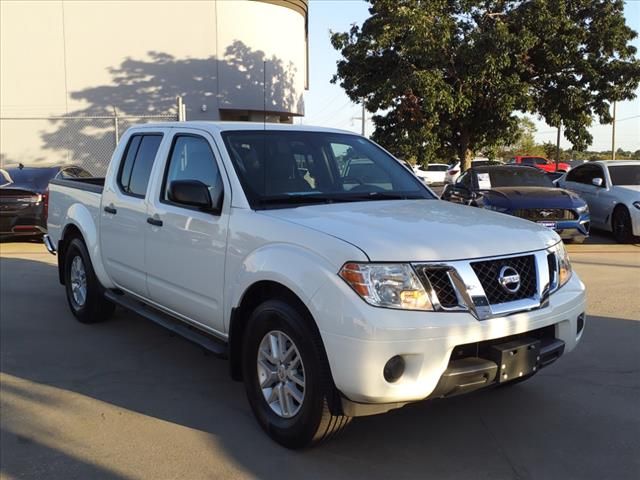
(597, 181)
(193, 193)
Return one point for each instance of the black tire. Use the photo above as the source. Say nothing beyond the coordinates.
(314, 422)
(621, 225)
(95, 308)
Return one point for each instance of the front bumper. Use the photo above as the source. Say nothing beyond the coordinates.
(370, 336)
(574, 229)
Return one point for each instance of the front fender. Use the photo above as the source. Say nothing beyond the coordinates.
(299, 269)
(81, 217)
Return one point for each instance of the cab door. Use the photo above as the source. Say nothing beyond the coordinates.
(124, 213)
(186, 245)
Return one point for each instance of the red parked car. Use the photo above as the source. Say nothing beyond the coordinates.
(540, 162)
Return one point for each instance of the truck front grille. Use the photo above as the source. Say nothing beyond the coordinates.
(491, 287)
(438, 278)
(488, 273)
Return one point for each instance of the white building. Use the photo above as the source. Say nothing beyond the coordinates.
(88, 60)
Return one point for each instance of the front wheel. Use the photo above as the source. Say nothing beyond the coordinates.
(287, 378)
(85, 295)
(621, 225)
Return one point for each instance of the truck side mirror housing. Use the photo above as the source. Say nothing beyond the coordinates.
(194, 193)
(597, 181)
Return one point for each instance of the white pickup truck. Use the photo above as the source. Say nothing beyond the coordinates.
(336, 283)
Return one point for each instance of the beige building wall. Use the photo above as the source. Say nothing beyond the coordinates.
(85, 58)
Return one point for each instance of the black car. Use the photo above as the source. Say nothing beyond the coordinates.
(525, 192)
(24, 197)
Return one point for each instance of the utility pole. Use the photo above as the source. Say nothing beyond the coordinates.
(558, 147)
(613, 133)
(362, 118)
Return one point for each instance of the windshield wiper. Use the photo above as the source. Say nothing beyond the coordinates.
(295, 199)
(385, 196)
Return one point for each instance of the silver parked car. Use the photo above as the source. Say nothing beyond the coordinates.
(612, 191)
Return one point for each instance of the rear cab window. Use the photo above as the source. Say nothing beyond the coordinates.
(135, 169)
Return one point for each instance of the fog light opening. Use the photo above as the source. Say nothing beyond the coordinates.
(394, 369)
(580, 324)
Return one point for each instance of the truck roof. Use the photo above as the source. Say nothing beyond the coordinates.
(235, 126)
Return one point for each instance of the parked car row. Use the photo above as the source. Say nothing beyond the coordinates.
(604, 194)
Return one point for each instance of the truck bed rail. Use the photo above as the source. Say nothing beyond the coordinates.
(93, 184)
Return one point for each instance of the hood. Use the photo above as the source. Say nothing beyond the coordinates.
(420, 230)
(532, 197)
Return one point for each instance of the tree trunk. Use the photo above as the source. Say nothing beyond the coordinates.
(466, 155)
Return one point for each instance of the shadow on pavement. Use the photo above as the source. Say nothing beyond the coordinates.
(579, 418)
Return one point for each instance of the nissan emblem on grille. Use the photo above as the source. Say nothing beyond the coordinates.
(509, 279)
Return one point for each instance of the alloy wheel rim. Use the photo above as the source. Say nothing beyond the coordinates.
(78, 277)
(281, 374)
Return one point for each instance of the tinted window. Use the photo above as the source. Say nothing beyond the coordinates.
(465, 180)
(136, 168)
(294, 167)
(74, 172)
(625, 174)
(127, 164)
(192, 159)
(517, 177)
(533, 161)
(437, 168)
(585, 174)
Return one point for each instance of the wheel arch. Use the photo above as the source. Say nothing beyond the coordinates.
(70, 232)
(253, 296)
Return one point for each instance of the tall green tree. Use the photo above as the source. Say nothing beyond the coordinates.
(449, 75)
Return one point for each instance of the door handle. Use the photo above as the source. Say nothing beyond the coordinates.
(110, 210)
(154, 221)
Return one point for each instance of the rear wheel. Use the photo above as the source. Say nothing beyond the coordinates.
(287, 378)
(621, 225)
(85, 295)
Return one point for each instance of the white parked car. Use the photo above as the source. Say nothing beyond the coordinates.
(612, 191)
(433, 174)
(453, 171)
(336, 283)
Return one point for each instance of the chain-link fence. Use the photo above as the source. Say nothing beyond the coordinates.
(85, 141)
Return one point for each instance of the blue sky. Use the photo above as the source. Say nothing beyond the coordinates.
(327, 105)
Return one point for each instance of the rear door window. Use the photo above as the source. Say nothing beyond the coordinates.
(136, 166)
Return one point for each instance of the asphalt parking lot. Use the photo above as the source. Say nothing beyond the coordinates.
(126, 399)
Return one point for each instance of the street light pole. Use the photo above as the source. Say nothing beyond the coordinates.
(613, 134)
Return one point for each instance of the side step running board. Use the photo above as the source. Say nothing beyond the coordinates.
(209, 342)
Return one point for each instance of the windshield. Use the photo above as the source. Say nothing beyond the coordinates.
(625, 174)
(282, 168)
(513, 177)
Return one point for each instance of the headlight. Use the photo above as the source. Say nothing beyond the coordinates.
(391, 285)
(564, 265)
(581, 210)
